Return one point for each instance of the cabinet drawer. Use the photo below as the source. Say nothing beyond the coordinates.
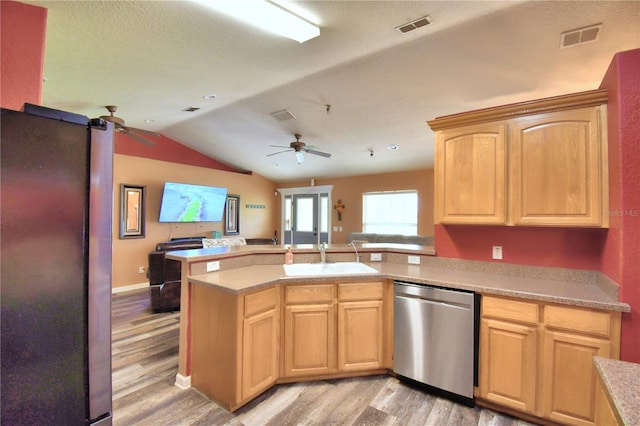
(578, 319)
(261, 301)
(360, 291)
(508, 309)
(312, 293)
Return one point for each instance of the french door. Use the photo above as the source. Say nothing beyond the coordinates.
(306, 218)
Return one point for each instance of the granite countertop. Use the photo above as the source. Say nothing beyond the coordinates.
(622, 382)
(564, 292)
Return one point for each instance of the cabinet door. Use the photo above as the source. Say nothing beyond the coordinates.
(470, 168)
(309, 340)
(508, 364)
(557, 169)
(360, 335)
(569, 376)
(605, 413)
(260, 348)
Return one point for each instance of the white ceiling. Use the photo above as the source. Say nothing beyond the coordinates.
(155, 58)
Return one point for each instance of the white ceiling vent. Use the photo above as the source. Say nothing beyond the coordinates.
(580, 36)
(414, 25)
(283, 115)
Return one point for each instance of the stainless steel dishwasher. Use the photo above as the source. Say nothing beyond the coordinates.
(435, 338)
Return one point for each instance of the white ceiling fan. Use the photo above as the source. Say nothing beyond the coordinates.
(134, 133)
(299, 148)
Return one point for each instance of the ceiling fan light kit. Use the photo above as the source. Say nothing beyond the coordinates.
(299, 148)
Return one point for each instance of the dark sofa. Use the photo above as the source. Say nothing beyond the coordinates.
(165, 274)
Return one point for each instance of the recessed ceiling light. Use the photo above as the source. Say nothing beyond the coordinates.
(392, 147)
(149, 120)
(209, 96)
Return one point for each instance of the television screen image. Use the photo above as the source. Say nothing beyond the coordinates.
(183, 202)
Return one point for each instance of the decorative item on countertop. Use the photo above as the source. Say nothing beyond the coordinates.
(216, 234)
(288, 257)
(339, 207)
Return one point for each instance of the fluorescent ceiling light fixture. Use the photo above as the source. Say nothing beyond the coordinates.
(275, 17)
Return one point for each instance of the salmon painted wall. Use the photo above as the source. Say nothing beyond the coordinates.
(22, 39)
(350, 190)
(621, 251)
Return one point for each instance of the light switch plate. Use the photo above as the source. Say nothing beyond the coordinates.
(376, 257)
(213, 266)
(413, 260)
(497, 252)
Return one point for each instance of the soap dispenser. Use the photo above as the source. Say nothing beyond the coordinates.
(288, 257)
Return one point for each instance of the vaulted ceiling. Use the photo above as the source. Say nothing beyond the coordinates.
(359, 87)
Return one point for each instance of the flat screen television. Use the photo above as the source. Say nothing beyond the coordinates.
(183, 202)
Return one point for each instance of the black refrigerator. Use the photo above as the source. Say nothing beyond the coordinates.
(55, 243)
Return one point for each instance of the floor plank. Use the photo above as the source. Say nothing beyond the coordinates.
(145, 362)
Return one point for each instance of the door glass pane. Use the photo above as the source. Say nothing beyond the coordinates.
(304, 215)
(287, 213)
(324, 213)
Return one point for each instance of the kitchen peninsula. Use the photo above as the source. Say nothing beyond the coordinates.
(246, 325)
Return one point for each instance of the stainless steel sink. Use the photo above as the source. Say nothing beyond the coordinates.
(337, 268)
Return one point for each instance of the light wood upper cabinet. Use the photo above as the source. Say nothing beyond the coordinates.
(470, 166)
(555, 152)
(557, 169)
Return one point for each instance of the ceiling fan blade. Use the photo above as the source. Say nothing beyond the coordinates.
(144, 132)
(279, 152)
(280, 146)
(320, 153)
(136, 136)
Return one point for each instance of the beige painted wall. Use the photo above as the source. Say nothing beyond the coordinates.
(350, 190)
(130, 254)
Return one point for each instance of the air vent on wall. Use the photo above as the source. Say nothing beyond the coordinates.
(191, 109)
(414, 25)
(580, 35)
(283, 115)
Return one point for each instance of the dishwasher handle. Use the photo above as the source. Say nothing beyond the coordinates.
(448, 304)
(427, 292)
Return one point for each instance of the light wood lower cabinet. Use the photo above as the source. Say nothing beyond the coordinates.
(235, 343)
(317, 341)
(260, 343)
(537, 358)
(572, 337)
(360, 326)
(605, 413)
(508, 364)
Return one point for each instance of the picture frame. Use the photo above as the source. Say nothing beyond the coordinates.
(132, 211)
(232, 215)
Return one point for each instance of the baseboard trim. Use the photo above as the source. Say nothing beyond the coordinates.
(183, 382)
(131, 287)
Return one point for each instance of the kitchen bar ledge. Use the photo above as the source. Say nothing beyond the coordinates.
(573, 293)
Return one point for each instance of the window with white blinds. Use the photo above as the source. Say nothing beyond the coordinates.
(390, 212)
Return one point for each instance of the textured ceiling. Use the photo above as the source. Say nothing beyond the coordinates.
(155, 58)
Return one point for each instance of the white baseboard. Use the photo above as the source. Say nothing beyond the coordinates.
(183, 382)
(129, 287)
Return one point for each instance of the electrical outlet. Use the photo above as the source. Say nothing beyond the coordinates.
(413, 260)
(497, 252)
(213, 266)
(376, 257)
(141, 269)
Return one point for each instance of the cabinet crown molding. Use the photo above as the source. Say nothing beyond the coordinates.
(556, 103)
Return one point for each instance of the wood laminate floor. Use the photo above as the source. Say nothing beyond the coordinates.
(145, 363)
